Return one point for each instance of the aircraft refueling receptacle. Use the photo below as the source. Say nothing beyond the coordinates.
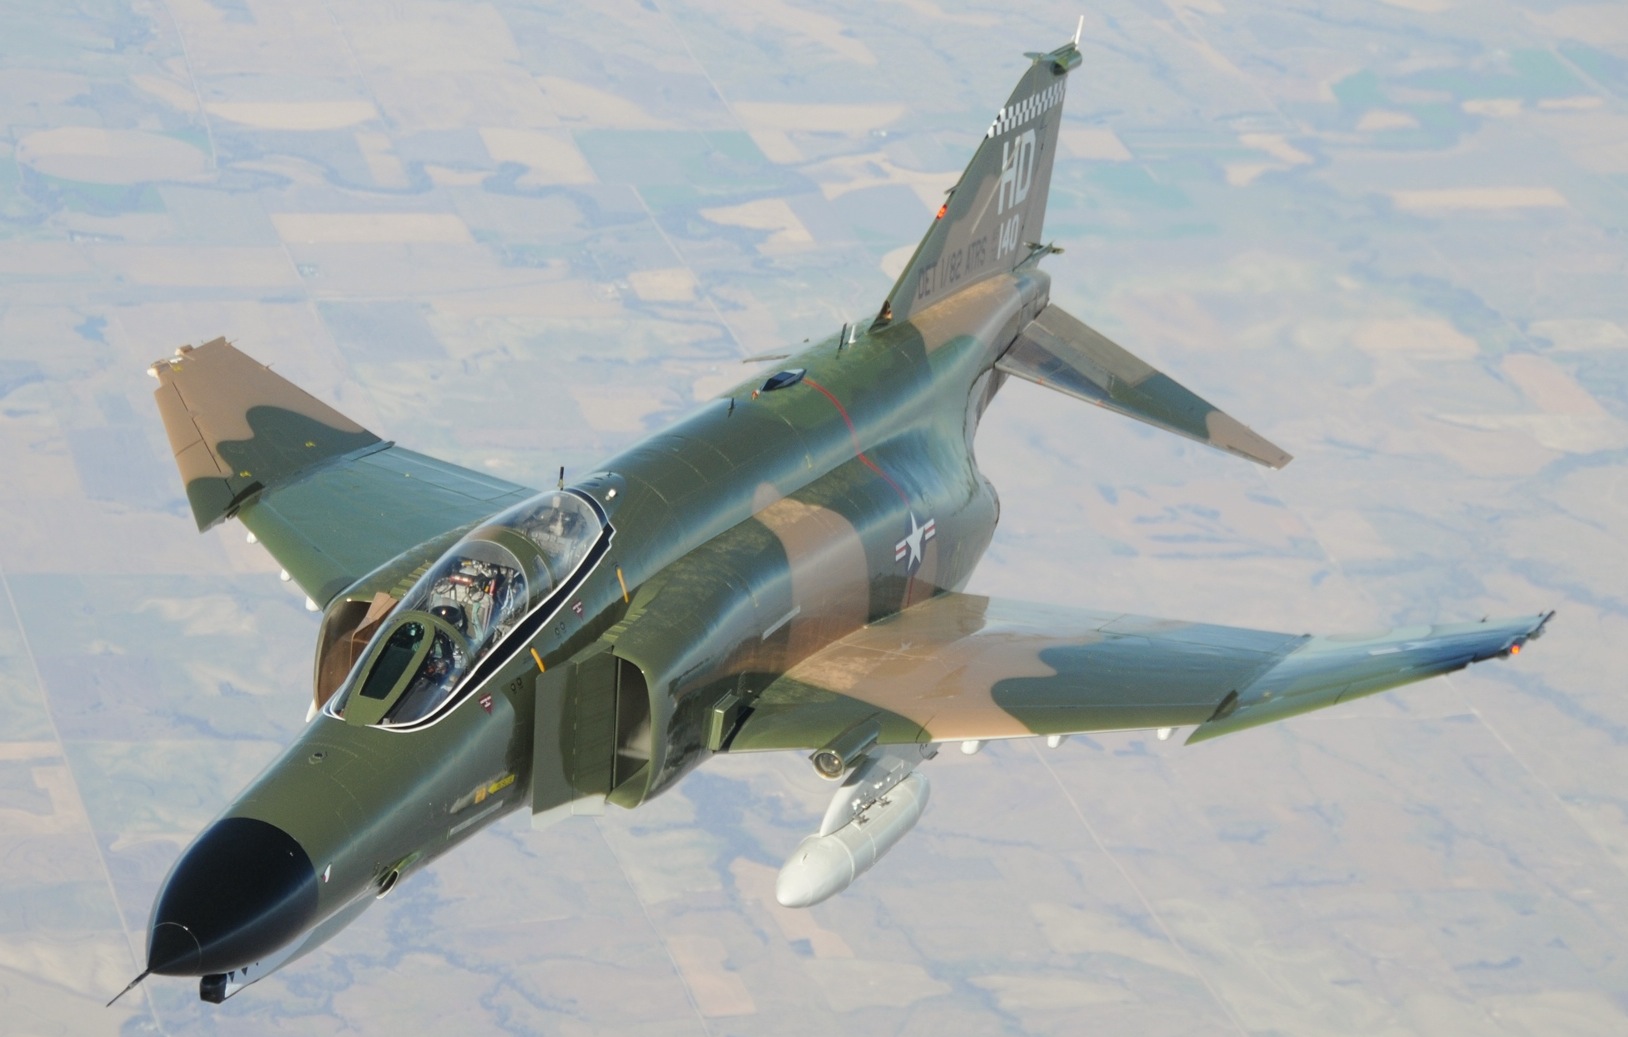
(781, 570)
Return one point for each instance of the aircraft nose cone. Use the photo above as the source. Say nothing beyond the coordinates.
(241, 891)
(172, 950)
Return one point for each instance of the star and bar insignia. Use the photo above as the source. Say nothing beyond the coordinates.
(915, 544)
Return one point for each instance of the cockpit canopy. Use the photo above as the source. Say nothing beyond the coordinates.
(465, 605)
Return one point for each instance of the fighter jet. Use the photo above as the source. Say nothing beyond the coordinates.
(781, 570)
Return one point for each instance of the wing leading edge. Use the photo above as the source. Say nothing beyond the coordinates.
(961, 667)
(330, 500)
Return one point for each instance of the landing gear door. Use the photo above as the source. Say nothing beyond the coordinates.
(574, 739)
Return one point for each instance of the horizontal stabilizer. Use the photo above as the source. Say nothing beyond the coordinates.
(1058, 351)
(1325, 670)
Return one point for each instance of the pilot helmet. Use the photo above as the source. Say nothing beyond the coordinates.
(454, 615)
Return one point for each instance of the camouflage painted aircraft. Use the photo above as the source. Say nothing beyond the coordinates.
(781, 570)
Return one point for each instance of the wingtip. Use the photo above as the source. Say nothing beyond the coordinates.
(1267, 454)
(1542, 625)
(1278, 462)
(1229, 434)
(1521, 632)
(1536, 631)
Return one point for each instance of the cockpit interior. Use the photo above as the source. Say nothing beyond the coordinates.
(464, 606)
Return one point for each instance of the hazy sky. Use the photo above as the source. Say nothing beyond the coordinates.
(1390, 237)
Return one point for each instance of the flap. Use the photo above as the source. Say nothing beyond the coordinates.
(1060, 352)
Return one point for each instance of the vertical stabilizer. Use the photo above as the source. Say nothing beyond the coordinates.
(993, 216)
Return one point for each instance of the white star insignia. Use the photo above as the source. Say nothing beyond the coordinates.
(913, 545)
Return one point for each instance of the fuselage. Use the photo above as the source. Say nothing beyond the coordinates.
(770, 522)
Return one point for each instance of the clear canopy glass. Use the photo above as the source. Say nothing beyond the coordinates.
(465, 605)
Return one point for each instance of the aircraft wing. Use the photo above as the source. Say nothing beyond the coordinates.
(330, 500)
(959, 667)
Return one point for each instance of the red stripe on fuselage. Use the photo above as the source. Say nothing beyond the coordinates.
(859, 451)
